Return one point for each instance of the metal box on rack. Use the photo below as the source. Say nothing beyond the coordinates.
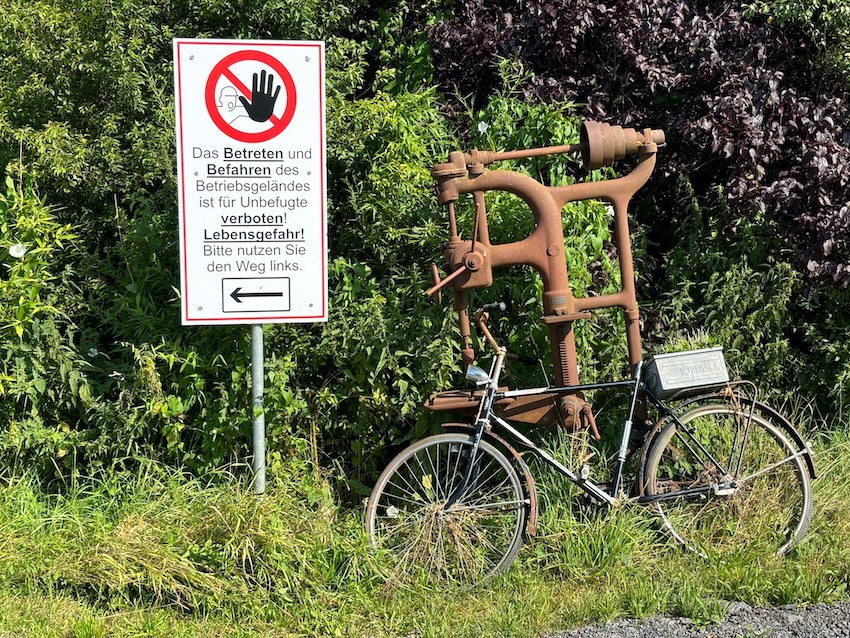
(667, 375)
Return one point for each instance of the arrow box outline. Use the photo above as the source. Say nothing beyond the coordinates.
(228, 289)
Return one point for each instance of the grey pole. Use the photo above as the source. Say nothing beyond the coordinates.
(259, 431)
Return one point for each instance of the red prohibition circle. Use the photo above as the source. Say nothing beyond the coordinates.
(223, 69)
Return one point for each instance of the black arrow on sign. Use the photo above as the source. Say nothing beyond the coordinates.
(237, 296)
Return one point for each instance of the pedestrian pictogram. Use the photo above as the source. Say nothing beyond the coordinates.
(256, 114)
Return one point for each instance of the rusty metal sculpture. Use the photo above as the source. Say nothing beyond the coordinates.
(470, 263)
(455, 507)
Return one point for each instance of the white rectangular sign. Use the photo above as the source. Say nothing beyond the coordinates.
(250, 119)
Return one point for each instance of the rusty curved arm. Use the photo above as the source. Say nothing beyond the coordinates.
(543, 248)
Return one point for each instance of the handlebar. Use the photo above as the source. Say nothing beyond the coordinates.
(530, 361)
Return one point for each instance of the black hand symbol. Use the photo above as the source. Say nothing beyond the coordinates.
(261, 106)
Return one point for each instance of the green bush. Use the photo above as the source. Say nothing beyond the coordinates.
(825, 22)
(87, 108)
(96, 364)
(45, 384)
(729, 285)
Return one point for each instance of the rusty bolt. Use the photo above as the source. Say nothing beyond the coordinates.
(473, 260)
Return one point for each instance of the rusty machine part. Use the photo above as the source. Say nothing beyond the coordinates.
(470, 263)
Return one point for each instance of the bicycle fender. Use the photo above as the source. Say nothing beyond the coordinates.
(762, 408)
(531, 524)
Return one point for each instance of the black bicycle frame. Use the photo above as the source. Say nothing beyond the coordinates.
(486, 418)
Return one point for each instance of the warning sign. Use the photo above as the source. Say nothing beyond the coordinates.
(251, 173)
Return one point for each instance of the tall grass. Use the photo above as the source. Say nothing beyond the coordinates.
(160, 538)
(154, 552)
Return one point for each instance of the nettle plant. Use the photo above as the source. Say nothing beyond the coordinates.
(44, 385)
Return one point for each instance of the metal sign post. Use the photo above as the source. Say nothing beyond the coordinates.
(251, 169)
(259, 428)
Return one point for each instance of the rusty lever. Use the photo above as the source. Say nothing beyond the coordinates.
(439, 283)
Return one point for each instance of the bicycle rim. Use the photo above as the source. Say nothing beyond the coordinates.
(759, 498)
(470, 541)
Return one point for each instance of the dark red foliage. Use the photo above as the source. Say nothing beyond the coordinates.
(740, 103)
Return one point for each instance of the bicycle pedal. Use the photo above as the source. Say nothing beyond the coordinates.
(586, 500)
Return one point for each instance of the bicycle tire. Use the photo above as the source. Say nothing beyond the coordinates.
(474, 539)
(769, 509)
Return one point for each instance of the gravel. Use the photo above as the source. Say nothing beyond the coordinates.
(742, 621)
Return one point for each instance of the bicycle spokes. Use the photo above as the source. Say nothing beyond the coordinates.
(726, 480)
(438, 541)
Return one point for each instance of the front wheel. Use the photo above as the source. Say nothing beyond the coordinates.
(727, 480)
(465, 543)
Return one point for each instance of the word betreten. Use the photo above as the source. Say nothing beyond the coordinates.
(255, 154)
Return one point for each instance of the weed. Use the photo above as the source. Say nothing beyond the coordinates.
(89, 628)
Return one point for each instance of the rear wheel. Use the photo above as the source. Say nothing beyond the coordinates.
(471, 540)
(744, 484)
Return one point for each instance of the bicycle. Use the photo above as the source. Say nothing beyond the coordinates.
(455, 506)
(720, 468)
